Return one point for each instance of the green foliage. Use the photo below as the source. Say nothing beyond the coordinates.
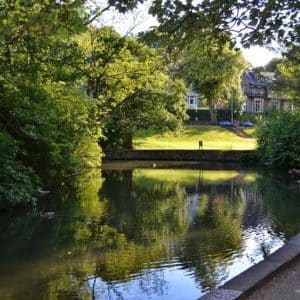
(41, 107)
(214, 71)
(235, 101)
(126, 226)
(18, 184)
(272, 64)
(129, 83)
(279, 140)
(289, 74)
(254, 22)
(203, 115)
(257, 119)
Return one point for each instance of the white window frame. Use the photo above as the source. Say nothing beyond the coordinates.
(192, 100)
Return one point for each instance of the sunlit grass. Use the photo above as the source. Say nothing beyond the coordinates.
(250, 131)
(213, 138)
(250, 177)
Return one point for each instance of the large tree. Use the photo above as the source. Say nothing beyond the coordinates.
(253, 22)
(213, 70)
(256, 22)
(43, 115)
(130, 85)
(289, 74)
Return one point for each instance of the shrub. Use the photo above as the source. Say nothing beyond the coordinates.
(279, 140)
(254, 118)
(18, 183)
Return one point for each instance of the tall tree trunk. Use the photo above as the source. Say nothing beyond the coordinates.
(213, 114)
(128, 141)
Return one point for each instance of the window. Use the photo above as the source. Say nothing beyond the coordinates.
(258, 106)
(192, 99)
(276, 105)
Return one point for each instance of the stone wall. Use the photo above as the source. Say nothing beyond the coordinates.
(183, 155)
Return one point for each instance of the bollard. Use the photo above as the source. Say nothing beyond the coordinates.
(200, 145)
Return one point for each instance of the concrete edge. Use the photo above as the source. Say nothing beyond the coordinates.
(242, 285)
(178, 155)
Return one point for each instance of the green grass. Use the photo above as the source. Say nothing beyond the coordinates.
(213, 137)
(250, 131)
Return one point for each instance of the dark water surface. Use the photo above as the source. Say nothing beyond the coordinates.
(146, 233)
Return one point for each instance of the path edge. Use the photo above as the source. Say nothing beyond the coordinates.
(245, 283)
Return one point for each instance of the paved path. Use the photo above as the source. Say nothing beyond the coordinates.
(283, 286)
(239, 131)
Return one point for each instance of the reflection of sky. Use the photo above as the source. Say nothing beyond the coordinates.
(252, 253)
(167, 283)
(177, 279)
(182, 263)
(172, 281)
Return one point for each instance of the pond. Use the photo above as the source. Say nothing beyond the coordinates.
(146, 233)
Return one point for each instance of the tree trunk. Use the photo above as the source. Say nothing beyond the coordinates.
(213, 114)
(128, 143)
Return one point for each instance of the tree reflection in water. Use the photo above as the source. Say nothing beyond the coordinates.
(146, 232)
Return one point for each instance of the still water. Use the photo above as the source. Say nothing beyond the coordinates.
(146, 233)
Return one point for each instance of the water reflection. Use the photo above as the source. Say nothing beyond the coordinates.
(146, 234)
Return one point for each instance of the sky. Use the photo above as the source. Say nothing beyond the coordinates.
(258, 56)
(140, 20)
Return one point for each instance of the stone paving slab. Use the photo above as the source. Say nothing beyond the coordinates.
(252, 277)
(285, 254)
(221, 294)
(284, 285)
(295, 240)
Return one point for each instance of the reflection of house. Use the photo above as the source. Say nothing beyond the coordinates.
(259, 92)
(193, 101)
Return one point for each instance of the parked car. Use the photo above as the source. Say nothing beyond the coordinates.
(226, 124)
(247, 124)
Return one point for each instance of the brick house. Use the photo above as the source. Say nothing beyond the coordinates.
(259, 92)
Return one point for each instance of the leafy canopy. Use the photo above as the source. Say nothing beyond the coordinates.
(130, 85)
(42, 112)
(213, 70)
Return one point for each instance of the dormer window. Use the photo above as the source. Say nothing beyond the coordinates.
(192, 99)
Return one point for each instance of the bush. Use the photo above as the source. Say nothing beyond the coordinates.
(254, 118)
(279, 140)
(18, 183)
(203, 115)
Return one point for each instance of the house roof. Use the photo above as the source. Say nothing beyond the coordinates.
(255, 81)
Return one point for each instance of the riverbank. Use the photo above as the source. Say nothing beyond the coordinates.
(166, 164)
(241, 286)
(180, 155)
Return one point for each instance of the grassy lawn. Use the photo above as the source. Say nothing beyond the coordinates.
(250, 131)
(213, 137)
